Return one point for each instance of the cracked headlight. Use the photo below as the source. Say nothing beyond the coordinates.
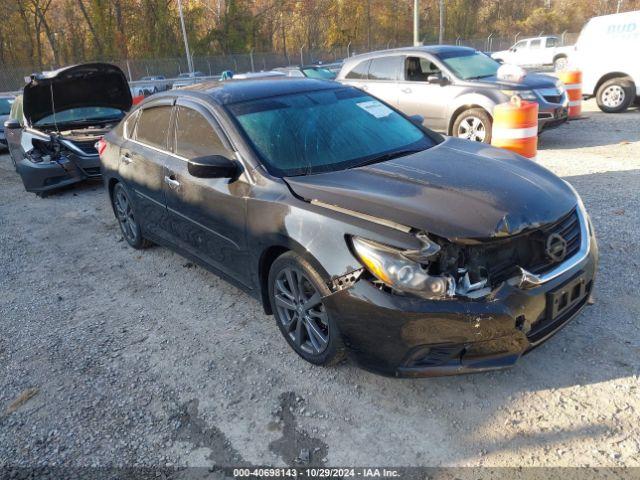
(392, 267)
(523, 94)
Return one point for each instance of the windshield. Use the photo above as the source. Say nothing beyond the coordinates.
(325, 130)
(82, 114)
(317, 72)
(469, 65)
(5, 105)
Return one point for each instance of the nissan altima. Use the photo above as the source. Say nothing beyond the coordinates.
(362, 232)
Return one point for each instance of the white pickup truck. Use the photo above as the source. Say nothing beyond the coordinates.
(536, 51)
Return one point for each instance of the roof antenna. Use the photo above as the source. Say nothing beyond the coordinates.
(53, 107)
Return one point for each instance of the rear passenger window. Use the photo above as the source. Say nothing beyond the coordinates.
(195, 136)
(360, 72)
(153, 126)
(385, 68)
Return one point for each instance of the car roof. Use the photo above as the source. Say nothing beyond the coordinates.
(432, 49)
(233, 91)
(350, 62)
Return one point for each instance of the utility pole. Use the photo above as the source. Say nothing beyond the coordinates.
(416, 23)
(441, 37)
(184, 36)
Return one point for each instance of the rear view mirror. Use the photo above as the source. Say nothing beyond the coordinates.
(437, 79)
(417, 119)
(212, 166)
(12, 124)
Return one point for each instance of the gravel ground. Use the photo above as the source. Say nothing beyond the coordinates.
(110, 356)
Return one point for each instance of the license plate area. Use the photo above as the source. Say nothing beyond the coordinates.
(565, 297)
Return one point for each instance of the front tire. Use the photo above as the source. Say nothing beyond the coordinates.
(295, 292)
(474, 124)
(129, 226)
(615, 95)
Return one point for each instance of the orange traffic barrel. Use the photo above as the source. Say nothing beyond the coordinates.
(515, 127)
(573, 83)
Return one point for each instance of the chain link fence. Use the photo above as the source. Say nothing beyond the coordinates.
(12, 78)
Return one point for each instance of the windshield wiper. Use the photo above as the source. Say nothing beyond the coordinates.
(389, 156)
(480, 76)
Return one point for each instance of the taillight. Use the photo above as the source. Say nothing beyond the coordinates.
(101, 145)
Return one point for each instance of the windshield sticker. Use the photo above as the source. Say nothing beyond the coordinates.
(375, 108)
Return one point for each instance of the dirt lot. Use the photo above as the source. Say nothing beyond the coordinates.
(140, 358)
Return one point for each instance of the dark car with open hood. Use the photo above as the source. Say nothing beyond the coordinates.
(63, 114)
(361, 231)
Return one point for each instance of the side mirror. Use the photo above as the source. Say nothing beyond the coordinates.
(212, 166)
(12, 124)
(514, 49)
(437, 78)
(417, 119)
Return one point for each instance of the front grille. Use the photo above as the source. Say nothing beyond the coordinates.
(551, 95)
(501, 258)
(87, 146)
(553, 98)
(569, 229)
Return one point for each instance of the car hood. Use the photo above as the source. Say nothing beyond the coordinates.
(86, 85)
(530, 82)
(457, 190)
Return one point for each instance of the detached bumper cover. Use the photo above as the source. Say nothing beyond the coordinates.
(410, 337)
(66, 170)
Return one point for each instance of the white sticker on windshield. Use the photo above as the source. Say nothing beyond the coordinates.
(375, 108)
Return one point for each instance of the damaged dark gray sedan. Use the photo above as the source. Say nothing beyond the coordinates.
(52, 138)
(361, 231)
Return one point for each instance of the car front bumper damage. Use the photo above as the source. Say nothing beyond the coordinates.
(405, 336)
(65, 170)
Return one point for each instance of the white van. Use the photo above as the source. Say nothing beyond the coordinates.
(608, 53)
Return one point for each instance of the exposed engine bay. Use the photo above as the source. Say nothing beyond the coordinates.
(64, 142)
(471, 269)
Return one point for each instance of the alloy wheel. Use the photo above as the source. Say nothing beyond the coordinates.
(613, 96)
(124, 213)
(301, 312)
(472, 128)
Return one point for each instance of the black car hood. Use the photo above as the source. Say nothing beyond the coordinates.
(457, 190)
(86, 85)
(530, 82)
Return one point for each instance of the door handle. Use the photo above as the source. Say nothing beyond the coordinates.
(406, 90)
(171, 181)
(126, 159)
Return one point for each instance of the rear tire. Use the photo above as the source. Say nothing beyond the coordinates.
(615, 95)
(295, 292)
(123, 209)
(560, 64)
(474, 124)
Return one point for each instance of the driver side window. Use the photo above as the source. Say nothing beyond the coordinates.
(418, 69)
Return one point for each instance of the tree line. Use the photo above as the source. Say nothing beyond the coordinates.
(58, 32)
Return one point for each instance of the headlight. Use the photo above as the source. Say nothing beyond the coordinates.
(523, 94)
(394, 269)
